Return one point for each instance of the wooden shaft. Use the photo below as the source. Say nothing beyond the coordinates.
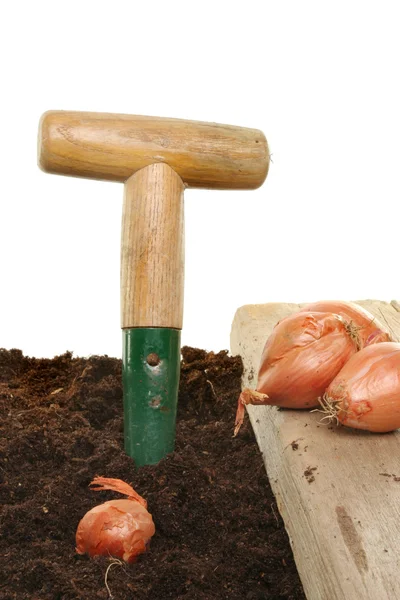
(152, 249)
(113, 147)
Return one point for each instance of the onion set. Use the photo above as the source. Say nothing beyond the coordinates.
(303, 354)
(366, 392)
(118, 528)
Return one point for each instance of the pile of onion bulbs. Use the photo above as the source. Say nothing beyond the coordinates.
(324, 343)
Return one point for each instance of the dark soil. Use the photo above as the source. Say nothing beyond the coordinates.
(218, 531)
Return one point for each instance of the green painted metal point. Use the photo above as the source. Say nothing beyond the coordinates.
(150, 377)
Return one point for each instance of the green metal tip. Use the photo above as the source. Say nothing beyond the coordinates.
(150, 377)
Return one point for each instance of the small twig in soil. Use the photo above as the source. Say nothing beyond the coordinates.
(274, 513)
(115, 561)
(258, 472)
(212, 389)
(211, 386)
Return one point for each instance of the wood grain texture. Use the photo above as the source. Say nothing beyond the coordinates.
(152, 249)
(343, 518)
(113, 147)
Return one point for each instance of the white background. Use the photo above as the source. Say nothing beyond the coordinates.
(321, 79)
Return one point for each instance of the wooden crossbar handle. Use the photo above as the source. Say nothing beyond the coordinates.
(113, 147)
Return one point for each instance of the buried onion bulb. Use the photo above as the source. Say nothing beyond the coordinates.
(366, 392)
(301, 357)
(118, 528)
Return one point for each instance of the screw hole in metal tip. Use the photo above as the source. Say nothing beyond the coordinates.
(155, 402)
(153, 359)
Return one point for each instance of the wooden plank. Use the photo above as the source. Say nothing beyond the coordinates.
(337, 492)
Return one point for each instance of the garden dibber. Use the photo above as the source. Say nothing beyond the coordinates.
(156, 158)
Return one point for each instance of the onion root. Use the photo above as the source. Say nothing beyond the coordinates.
(330, 408)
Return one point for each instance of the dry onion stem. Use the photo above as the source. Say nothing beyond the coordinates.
(354, 333)
(247, 396)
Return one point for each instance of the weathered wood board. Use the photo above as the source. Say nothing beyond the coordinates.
(339, 491)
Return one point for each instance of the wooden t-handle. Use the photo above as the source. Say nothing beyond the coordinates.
(113, 147)
(152, 249)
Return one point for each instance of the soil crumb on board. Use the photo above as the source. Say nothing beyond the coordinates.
(217, 534)
(309, 474)
(395, 477)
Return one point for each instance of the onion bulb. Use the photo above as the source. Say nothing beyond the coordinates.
(118, 528)
(370, 330)
(366, 392)
(303, 354)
